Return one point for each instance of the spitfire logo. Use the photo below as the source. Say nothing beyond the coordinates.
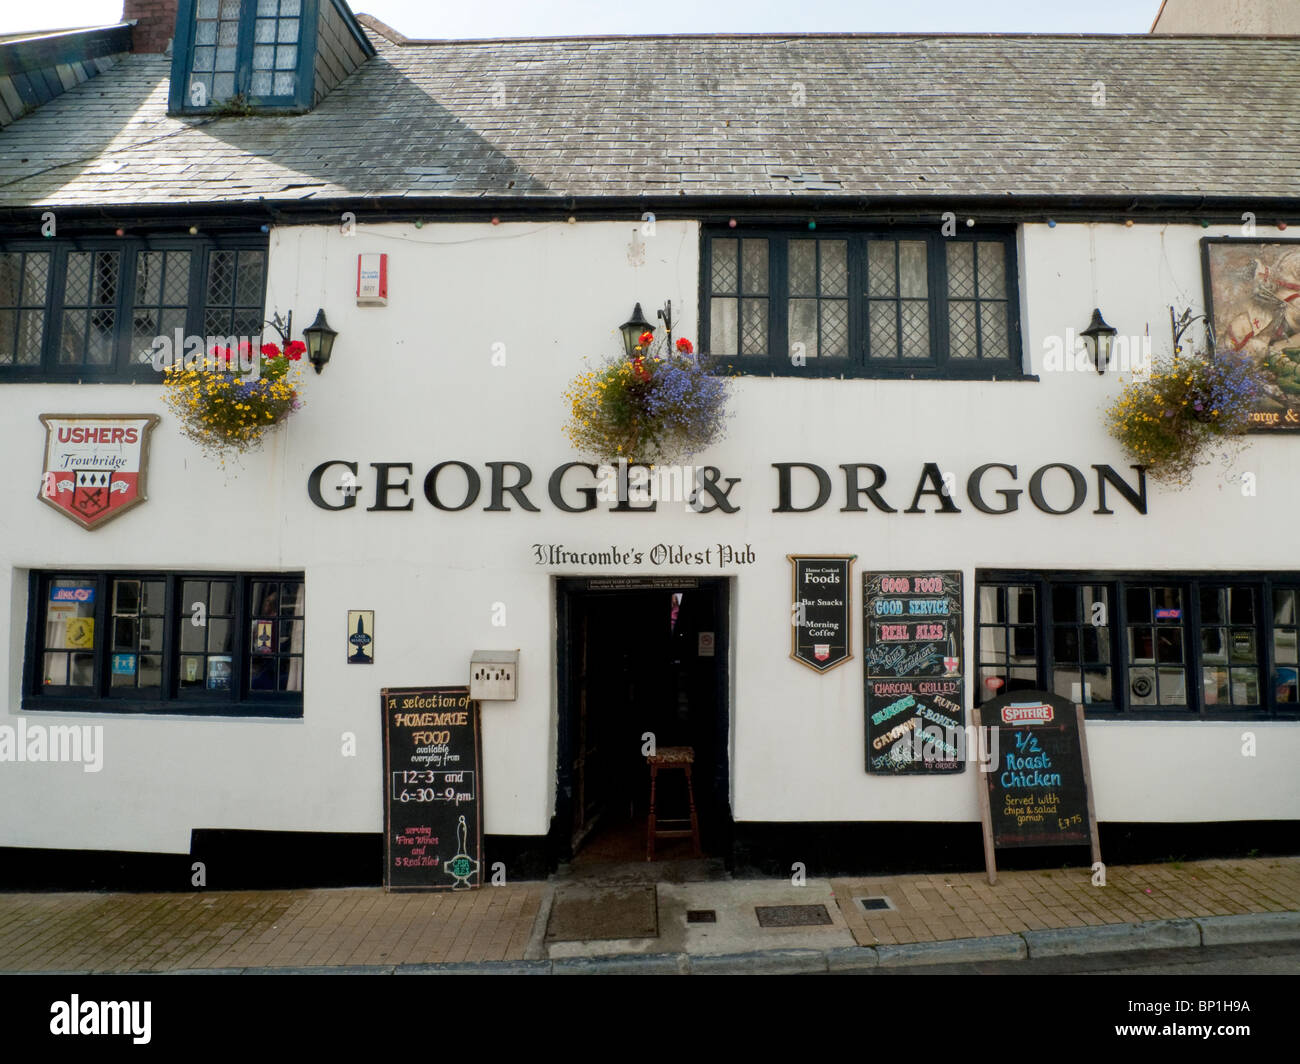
(95, 465)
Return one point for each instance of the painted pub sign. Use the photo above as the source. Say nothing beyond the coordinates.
(95, 464)
(1252, 296)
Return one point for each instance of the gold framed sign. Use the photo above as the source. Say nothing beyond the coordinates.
(95, 464)
(821, 618)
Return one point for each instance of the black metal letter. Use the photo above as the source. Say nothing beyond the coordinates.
(472, 485)
(313, 486)
(1010, 496)
(784, 505)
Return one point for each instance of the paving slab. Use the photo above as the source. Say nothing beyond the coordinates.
(737, 928)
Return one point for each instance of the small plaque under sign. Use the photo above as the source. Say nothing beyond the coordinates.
(707, 643)
(361, 637)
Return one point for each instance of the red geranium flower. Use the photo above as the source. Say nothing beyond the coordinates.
(294, 349)
(639, 370)
(647, 337)
(270, 351)
(684, 346)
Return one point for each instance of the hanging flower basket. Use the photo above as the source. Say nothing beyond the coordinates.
(1185, 410)
(656, 408)
(226, 411)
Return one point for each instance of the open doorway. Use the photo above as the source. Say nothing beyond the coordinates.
(640, 656)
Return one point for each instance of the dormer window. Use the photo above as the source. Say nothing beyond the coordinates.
(242, 56)
(243, 51)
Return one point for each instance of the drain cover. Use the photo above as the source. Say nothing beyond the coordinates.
(792, 915)
(871, 904)
(701, 916)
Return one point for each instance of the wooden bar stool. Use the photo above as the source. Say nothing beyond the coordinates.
(680, 759)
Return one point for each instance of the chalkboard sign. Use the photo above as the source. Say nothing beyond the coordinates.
(912, 668)
(1036, 790)
(820, 615)
(433, 831)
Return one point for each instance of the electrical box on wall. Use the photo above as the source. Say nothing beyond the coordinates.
(372, 280)
(494, 675)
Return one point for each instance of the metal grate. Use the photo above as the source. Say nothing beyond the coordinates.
(875, 904)
(701, 916)
(792, 915)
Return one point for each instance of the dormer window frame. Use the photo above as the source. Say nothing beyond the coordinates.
(181, 97)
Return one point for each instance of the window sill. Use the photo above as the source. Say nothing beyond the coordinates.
(831, 370)
(292, 107)
(1282, 716)
(171, 708)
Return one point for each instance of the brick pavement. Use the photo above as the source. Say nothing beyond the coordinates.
(933, 908)
(365, 926)
(168, 932)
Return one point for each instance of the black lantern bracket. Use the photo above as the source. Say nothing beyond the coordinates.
(284, 326)
(1179, 325)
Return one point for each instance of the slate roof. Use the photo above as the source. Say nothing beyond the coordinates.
(810, 115)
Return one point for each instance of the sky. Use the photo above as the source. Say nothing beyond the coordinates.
(551, 18)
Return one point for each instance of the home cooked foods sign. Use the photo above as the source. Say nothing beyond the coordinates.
(820, 616)
(95, 464)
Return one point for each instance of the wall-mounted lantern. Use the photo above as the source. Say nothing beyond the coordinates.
(632, 330)
(1099, 336)
(320, 341)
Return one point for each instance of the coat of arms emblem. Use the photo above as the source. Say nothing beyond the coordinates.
(95, 465)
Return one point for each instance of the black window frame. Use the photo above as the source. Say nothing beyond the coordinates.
(239, 701)
(1192, 582)
(123, 370)
(939, 366)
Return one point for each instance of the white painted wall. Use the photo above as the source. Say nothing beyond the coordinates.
(414, 381)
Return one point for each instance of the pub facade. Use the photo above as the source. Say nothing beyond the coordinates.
(889, 248)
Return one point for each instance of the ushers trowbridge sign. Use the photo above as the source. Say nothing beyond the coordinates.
(95, 464)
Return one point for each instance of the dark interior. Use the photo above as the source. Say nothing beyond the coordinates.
(635, 667)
